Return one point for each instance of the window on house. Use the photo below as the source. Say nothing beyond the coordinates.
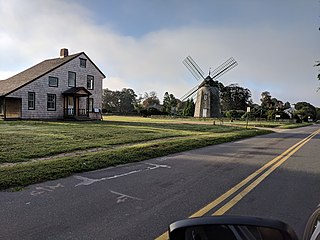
(53, 82)
(51, 102)
(31, 100)
(90, 82)
(90, 107)
(83, 62)
(71, 79)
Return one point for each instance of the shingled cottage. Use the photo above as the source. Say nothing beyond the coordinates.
(68, 87)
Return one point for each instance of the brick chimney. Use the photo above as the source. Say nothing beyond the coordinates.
(64, 52)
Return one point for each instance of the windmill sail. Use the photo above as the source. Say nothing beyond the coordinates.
(208, 93)
(199, 74)
(189, 93)
(223, 68)
(193, 68)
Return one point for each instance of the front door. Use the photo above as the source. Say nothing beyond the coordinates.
(204, 112)
(71, 106)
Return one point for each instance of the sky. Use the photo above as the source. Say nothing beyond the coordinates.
(140, 44)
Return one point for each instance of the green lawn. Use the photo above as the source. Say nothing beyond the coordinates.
(120, 139)
(269, 124)
(22, 141)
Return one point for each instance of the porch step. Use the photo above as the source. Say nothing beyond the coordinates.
(82, 118)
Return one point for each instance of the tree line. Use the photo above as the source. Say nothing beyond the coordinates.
(126, 101)
(234, 101)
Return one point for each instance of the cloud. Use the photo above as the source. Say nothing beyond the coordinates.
(269, 58)
(6, 74)
(115, 83)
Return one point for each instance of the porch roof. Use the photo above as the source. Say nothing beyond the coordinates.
(77, 91)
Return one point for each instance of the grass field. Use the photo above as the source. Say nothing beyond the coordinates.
(116, 140)
(280, 125)
(263, 123)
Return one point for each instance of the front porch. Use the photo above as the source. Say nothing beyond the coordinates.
(80, 114)
(74, 106)
(10, 108)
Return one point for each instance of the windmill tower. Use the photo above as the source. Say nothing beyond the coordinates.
(208, 93)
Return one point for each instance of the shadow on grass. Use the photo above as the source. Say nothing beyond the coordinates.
(178, 126)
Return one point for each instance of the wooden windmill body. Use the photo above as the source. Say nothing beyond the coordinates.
(208, 93)
(208, 100)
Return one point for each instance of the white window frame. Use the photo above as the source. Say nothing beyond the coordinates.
(51, 101)
(69, 79)
(90, 82)
(90, 104)
(31, 100)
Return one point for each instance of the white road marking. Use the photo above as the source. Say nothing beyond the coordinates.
(155, 166)
(85, 181)
(123, 197)
(162, 159)
(46, 188)
(124, 174)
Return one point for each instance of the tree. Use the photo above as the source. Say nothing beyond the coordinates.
(266, 101)
(318, 113)
(127, 100)
(272, 103)
(110, 100)
(150, 100)
(234, 114)
(305, 110)
(189, 107)
(277, 104)
(119, 101)
(318, 65)
(287, 105)
(138, 107)
(169, 103)
(272, 107)
(234, 97)
(257, 111)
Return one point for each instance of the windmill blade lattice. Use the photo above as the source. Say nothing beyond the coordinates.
(199, 74)
(193, 67)
(189, 93)
(223, 68)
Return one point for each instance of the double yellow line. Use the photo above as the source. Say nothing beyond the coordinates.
(260, 175)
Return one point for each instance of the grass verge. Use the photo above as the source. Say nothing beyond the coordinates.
(13, 177)
(295, 125)
(22, 141)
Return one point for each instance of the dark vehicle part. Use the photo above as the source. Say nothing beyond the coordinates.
(230, 228)
(241, 228)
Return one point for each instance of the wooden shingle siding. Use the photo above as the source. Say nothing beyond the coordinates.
(41, 89)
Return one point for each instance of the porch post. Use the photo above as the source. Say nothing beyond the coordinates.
(88, 105)
(21, 108)
(4, 108)
(74, 106)
(64, 106)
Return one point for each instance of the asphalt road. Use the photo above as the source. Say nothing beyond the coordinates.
(139, 200)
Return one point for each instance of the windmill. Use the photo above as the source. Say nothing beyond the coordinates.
(208, 94)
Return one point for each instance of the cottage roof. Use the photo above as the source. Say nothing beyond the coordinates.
(23, 78)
